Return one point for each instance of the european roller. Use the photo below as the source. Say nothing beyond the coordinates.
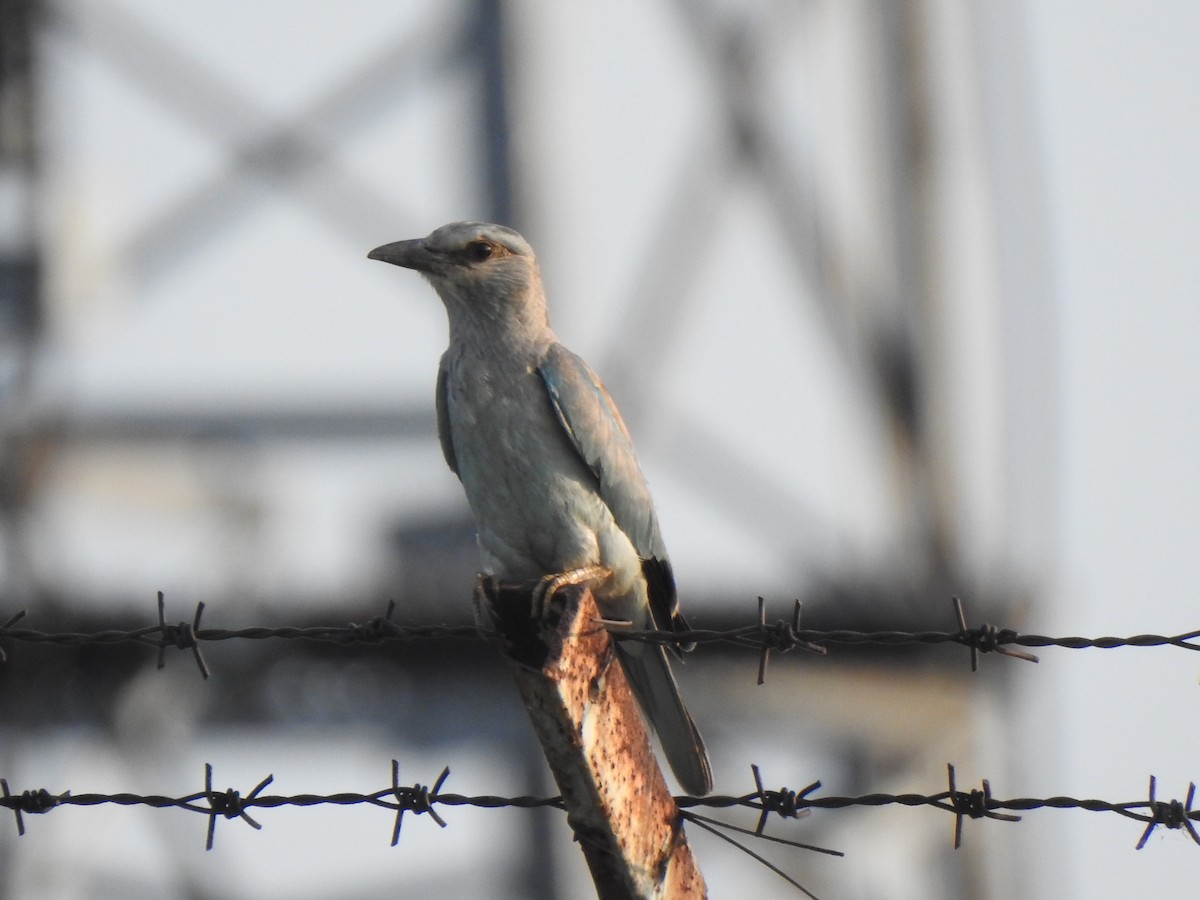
(546, 462)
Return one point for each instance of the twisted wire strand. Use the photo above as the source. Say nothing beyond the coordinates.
(762, 636)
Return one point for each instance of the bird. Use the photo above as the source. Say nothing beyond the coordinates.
(546, 461)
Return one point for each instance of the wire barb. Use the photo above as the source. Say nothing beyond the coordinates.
(418, 798)
(34, 802)
(781, 636)
(183, 636)
(783, 803)
(229, 804)
(375, 630)
(1172, 814)
(985, 638)
(977, 804)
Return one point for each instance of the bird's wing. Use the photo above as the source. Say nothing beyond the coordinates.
(442, 404)
(590, 418)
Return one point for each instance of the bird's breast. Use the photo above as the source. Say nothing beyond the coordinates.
(535, 501)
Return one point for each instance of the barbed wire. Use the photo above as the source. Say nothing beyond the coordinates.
(762, 636)
(784, 803)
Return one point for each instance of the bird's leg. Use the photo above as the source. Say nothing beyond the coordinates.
(551, 584)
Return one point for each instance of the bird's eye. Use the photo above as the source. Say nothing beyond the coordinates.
(478, 251)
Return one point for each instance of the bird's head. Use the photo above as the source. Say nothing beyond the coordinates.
(482, 272)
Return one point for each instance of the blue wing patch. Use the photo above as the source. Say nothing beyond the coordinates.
(442, 406)
(591, 420)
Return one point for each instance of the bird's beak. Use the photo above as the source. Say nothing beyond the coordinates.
(410, 254)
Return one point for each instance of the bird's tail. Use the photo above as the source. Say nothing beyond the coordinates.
(657, 693)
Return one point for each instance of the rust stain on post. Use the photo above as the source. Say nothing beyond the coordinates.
(595, 740)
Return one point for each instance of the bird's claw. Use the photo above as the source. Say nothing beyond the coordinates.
(552, 584)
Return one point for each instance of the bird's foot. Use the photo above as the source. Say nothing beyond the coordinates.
(551, 584)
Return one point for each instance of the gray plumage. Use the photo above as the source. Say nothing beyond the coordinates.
(545, 460)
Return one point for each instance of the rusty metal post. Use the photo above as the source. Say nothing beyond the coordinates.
(595, 740)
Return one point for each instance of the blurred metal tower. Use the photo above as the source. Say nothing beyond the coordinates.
(883, 329)
(20, 312)
(878, 291)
